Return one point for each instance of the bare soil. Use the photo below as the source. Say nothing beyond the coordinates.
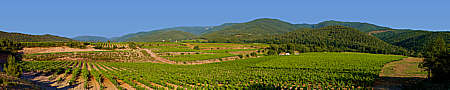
(221, 48)
(60, 76)
(65, 83)
(94, 85)
(89, 67)
(142, 85)
(79, 85)
(125, 85)
(113, 68)
(108, 84)
(399, 74)
(100, 68)
(181, 53)
(93, 66)
(154, 55)
(106, 67)
(243, 52)
(378, 31)
(408, 67)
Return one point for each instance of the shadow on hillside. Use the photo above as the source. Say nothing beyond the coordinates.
(44, 85)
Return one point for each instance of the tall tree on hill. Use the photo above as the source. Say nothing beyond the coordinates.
(437, 61)
(9, 48)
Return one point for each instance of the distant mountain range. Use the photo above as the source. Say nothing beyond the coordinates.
(243, 31)
(91, 38)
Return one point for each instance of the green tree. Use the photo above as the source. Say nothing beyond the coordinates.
(132, 45)
(13, 67)
(196, 47)
(437, 61)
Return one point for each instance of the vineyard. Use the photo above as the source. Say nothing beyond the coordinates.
(114, 55)
(304, 71)
(139, 45)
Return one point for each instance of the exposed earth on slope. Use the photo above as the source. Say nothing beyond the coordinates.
(399, 74)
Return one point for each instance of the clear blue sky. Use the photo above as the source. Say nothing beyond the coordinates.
(111, 18)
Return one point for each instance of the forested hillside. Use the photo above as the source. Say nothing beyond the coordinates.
(330, 38)
(414, 40)
(19, 37)
(363, 27)
(250, 31)
(91, 38)
(196, 30)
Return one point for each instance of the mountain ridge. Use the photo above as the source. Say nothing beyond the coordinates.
(88, 38)
(20, 37)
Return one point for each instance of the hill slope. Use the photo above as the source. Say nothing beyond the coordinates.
(249, 31)
(91, 38)
(160, 35)
(243, 32)
(414, 40)
(363, 27)
(256, 29)
(196, 30)
(19, 37)
(334, 38)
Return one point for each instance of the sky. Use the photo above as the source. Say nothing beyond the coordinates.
(112, 18)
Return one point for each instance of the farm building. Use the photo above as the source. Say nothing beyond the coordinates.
(283, 53)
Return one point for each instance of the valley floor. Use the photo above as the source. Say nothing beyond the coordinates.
(160, 67)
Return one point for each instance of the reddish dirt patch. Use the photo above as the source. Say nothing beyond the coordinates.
(125, 85)
(181, 53)
(154, 55)
(101, 68)
(113, 68)
(89, 67)
(80, 84)
(109, 69)
(142, 85)
(221, 48)
(55, 49)
(93, 65)
(157, 85)
(379, 31)
(83, 65)
(94, 85)
(65, 83)
(60, 76)
(108, 84)
(243, 52)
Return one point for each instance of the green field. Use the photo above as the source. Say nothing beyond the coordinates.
(307, 70)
